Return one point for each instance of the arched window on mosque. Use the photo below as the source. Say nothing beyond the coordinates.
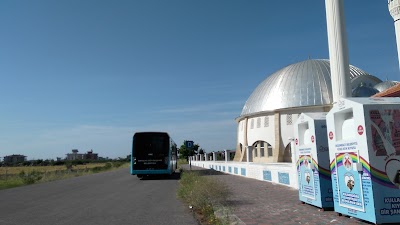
(269, 147)
(262, 153)
(262, 148)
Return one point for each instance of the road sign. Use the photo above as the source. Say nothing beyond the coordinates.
(189, 144)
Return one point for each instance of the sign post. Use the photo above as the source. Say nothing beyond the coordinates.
(189, 146)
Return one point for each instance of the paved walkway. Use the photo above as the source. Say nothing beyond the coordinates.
(257, 202)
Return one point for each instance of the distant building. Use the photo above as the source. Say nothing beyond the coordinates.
(74, 155)
(82, 156)
(14, 159)
(90, 155)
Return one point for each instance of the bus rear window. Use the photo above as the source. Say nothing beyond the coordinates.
(151, 145)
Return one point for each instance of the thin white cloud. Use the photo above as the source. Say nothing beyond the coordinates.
(206, 107)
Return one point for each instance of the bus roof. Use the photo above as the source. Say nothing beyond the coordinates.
(152, 132)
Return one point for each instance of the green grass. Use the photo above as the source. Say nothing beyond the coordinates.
(14, 170)
(182, 162)
(203, 194)
(41, 176)
(11, 183)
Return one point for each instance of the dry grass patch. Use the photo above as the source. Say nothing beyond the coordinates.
(203, 194)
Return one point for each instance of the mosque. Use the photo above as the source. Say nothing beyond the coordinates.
(265, 125)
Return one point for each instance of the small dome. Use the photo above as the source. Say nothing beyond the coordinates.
(305, 83)
(385, 85)
(363, 91)
(366, 80)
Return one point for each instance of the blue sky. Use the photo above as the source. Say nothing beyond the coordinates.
(88, 74)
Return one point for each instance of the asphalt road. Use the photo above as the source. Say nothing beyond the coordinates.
(114, 197)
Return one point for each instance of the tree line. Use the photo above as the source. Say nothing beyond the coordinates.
(185, 152)
(52, 162)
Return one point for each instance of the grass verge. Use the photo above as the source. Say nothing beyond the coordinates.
(203, 194)
(182, 162)
(41, 176)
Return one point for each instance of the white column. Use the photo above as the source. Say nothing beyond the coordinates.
(338, 52)
(206, 156)
(249, 154)
(394, 9)
(214, 159)
(227, 154)
(293, 151)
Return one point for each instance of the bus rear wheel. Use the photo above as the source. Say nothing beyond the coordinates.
(140, 176)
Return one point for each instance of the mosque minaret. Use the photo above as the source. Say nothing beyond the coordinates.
(394, 9)
(338, 52)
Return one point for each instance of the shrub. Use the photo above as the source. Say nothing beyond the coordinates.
(97, 169)
(202, 193)
(117, 164)
(107, 166)
(68, 165)
(30, 178)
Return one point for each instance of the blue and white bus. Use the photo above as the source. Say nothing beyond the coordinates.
(153, 153)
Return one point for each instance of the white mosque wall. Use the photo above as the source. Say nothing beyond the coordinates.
(287, 121)
(259, 129)
(289, 118)
(262, 127)
(277, 173)
(261, 133)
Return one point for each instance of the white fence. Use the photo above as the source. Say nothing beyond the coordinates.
(279, 173)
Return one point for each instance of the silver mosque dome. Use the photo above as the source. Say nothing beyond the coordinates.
(365, 80)
(385, 85)
(306, 83)
(363, 91)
